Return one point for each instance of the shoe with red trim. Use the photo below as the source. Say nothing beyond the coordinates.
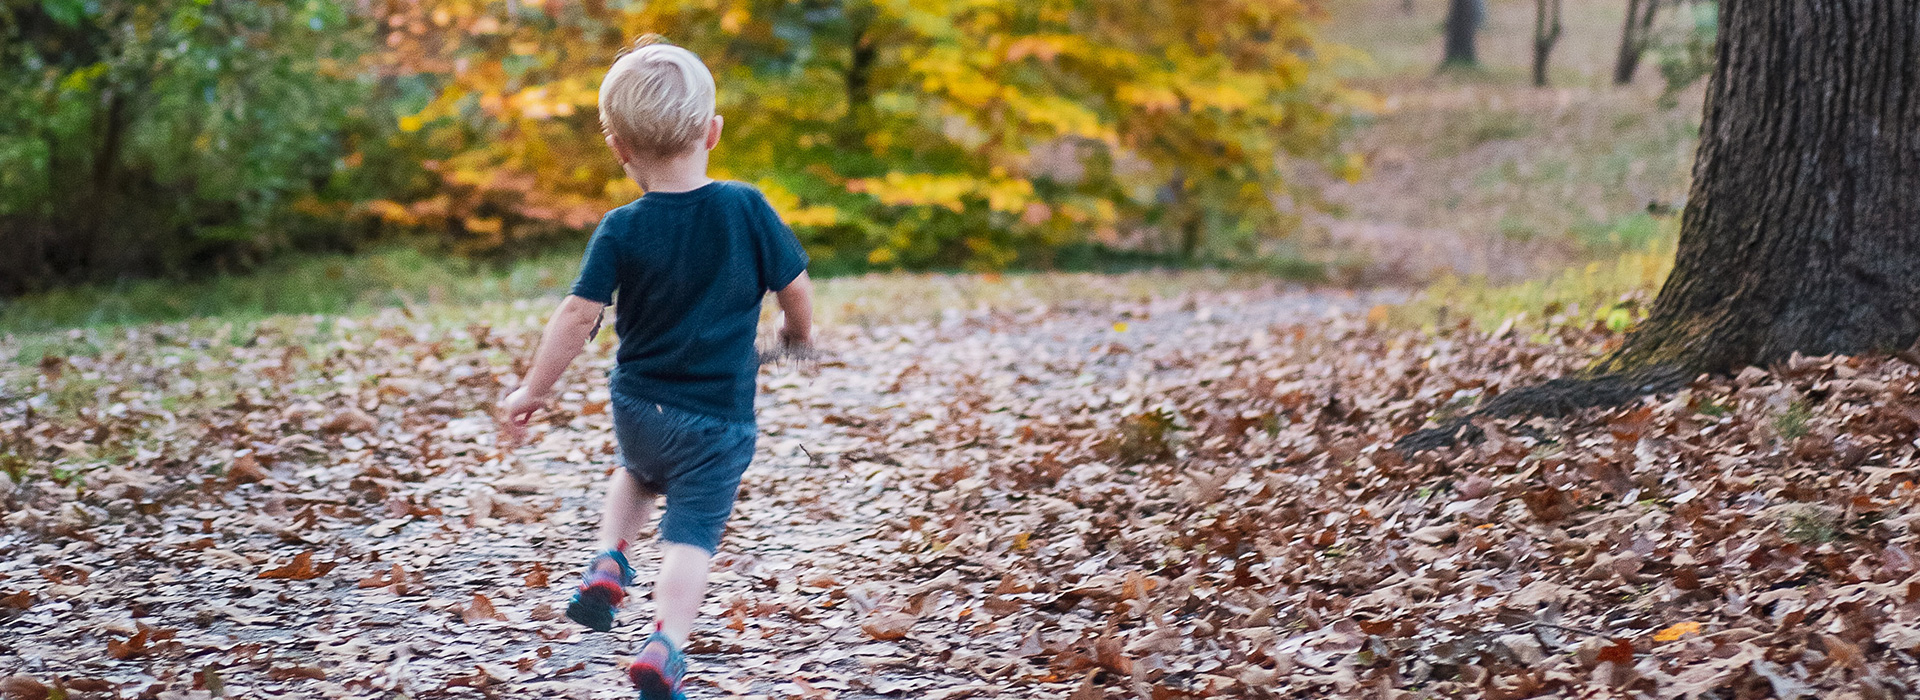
(601, 590)
(660, 670)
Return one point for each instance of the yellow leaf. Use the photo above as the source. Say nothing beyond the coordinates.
(1353, 168)
(1676, 631)
(1120, 326)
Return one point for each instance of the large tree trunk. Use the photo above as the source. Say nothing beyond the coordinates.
(1802, 230)
(1463, 23)
(1546, 33)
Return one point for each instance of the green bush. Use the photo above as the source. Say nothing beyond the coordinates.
(157, 137)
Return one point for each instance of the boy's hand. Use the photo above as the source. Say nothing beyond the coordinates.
(515, 410)
(797, 340)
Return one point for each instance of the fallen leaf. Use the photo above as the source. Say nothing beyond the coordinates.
(887, 625)
(287, 673)
(349, 420)
(22, 688)
(301, 568)
(245, 469)
(1676, 631)
(477, 609)
(1619, 651)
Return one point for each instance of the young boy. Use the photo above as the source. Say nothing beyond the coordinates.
(691, 260)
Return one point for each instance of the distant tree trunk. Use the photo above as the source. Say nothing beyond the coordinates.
(1633, 38)
(1546, 33)
(1802, 229)
(1406, 6)
(1463, 23)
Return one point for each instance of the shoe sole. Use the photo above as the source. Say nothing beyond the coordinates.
(593, 607)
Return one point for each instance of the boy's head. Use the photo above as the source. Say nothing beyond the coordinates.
(657, 101)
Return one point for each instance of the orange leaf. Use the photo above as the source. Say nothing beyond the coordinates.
(1676, 631)
(132, 647)
(301, 568)
(479, 609)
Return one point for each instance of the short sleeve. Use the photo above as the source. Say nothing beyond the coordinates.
(598, 273)
(781, 257)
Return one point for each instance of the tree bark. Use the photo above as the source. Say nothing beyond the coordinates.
(1802, 228)
(1463, 23)
(1633, 38)
(1546, 33)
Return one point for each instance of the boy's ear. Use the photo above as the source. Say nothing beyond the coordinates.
(620, 150)
(713, 131)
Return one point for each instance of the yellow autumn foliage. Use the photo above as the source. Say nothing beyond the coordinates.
(891, 132)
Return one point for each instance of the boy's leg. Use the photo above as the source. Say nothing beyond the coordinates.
(629, 507)
(699, 501)
(682, 585)
(660, 668)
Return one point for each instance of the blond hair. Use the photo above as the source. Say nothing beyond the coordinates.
(657, 99)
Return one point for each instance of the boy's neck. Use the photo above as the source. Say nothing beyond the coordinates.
(679, 174)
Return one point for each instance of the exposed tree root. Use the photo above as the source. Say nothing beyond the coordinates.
(1553, 398)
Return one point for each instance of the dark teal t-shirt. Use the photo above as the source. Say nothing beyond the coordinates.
(691, 269)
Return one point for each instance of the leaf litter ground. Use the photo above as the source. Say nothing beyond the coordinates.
(1168, 498)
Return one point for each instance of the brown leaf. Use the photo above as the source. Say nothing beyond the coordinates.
(887, 625)
(16, 601)
(478, 609)
(90, 685)
(537, 578)
(301, 568)
(1108, 652)
(380, 579)
(287, 673)
(1843, 653)
(245, 470)
(349, 420)
(1620, 652)
(129, 648)
(22, 688)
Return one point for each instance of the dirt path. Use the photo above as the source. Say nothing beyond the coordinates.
(180, 595)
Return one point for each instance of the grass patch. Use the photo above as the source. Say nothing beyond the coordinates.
(333, 284)
(1615, 291)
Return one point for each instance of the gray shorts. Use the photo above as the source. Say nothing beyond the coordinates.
(694, 459)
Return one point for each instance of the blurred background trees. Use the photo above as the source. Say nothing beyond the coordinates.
(161, 137)
(165, 138)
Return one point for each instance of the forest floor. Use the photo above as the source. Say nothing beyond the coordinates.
(1056, 486)
(1184, 496)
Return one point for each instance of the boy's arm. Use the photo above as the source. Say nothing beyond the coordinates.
(566, 334)
(796, 304)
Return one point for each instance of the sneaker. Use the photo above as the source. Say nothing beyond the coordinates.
(601, 590)
(660, 669)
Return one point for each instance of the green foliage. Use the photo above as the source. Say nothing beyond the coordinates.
(197, 137)
(1685, 52)
(161, 136)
